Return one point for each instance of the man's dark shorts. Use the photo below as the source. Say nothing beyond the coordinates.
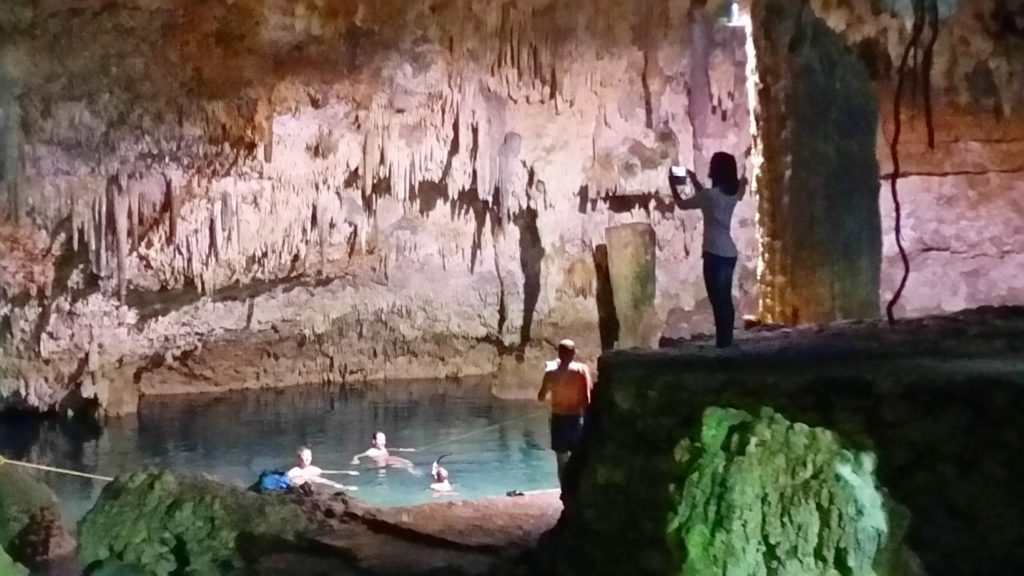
(566, 432)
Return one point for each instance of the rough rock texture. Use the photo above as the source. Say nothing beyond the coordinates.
(43, 539)
(937, 400)
(761, 495)
(963, 211)
(264, 193)
(21, 496)
(633, 278)
(204, 195)
(820, 240)
(167, 525)
(8, 567)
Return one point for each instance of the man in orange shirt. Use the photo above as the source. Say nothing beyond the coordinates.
(569, 385)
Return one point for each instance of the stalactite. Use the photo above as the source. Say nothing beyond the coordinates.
(171, 202)
(227, 222)
(117, 200)
(134, 198)
(216, 231)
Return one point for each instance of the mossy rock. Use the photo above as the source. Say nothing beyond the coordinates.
(167, 525)
(115, 568)
(761, 496)
(21, 495)
(9, 568)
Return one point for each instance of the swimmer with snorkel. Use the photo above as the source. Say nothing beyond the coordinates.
(439, 477)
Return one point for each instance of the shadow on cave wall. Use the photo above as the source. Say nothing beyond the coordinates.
(531, 253)
(607, 321)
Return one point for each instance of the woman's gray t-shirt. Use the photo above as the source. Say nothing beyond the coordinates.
(717, 209)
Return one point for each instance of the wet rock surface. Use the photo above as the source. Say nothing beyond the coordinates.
(43, 540)
(165, 525)
(21, 497)
(937, 400)
(159, 524)
(461, 537)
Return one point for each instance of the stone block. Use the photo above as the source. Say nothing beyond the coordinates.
(631, 266)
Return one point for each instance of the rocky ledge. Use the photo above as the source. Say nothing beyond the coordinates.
(206, 527)
(935, 400)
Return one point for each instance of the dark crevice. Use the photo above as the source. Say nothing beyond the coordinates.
(607, 321)
(648, 107)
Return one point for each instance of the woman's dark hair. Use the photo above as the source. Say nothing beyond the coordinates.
(723, 173)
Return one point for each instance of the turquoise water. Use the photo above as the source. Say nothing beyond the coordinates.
(496, 445)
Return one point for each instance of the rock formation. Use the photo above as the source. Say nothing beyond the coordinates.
(934, 399)
(203, 196)
(42, 539)
(21, 496)
(166, 525)
(761, 495)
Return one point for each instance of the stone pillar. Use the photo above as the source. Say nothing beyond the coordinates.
(631, 261)
(817, 116)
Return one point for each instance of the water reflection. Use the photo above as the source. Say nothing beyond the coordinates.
(496, 445)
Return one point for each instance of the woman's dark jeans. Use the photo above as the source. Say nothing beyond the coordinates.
(718, 272)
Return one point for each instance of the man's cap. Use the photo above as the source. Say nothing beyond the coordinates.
(567, 344)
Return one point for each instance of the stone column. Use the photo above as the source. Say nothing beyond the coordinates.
(631, 261)
(817, 116)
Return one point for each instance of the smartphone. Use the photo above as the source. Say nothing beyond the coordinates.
(677, 175)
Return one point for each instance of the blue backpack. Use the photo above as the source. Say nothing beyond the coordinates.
(274, 481)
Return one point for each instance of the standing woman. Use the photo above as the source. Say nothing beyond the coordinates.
(717, 204)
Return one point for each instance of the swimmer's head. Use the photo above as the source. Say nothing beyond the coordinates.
(440, 474)
(566, 351)
(379, 440)
(304, 456)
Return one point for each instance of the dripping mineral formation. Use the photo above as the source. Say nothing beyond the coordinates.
(203, 195)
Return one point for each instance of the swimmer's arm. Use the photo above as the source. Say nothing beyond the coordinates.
(402, 449)
(355, 459)
(326, 482)
(544, 386)
(349, 472)
(590, 383)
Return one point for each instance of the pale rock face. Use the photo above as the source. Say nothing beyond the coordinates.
(349, 190)
(261, 193)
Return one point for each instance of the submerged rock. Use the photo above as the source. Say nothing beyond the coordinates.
(169, 525)
(764, 496)
(20, 496)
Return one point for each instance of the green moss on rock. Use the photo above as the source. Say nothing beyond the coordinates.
(166, 525)
(9, 568)
(20, 496)
(764, 496)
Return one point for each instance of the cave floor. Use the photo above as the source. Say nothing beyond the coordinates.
(451, 536)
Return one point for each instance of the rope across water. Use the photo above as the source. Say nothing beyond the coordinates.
(55, 469)
(458, 438)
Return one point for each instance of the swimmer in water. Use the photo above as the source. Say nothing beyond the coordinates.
(439, 477)
(379, 453)
(305, 472)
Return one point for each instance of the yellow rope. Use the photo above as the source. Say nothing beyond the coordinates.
(485, 429)
(53, 469)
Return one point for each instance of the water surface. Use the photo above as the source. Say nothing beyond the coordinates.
(496, 445)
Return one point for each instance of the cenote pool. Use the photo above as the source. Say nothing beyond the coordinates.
(496, 445)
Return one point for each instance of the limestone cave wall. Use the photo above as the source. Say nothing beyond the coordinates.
(207, 195)
(203, 195)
